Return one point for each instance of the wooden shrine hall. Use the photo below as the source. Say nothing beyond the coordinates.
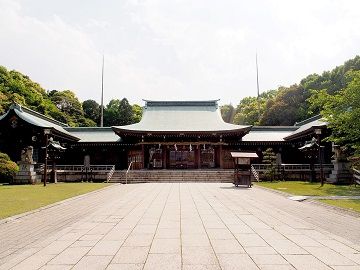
(181, 135)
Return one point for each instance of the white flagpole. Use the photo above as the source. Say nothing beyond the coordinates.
(102, 94)
(258, 88)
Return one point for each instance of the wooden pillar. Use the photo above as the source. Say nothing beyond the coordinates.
(198, 157)
(143, 155)
(164, 157)
(221, 157)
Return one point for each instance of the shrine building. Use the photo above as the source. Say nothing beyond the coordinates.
(171, 135)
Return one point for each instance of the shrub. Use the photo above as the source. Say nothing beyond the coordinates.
(269, 158)
(8, 168)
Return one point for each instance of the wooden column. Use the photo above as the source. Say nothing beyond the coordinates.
(143, 155)
(164, 157)
(221, 157)
(198, 155)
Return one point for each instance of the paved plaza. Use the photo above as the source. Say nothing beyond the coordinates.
(181, 226)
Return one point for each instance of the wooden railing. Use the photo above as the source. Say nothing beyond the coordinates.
(356, 175)
(79, 168)
(255, 173)
(292, 167)
(110, 174)
(127, 171)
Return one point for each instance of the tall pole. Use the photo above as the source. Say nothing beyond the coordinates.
(258, 88)
(102, 94)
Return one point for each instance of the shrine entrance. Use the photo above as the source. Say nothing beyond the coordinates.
(182, 159)
(182, 156)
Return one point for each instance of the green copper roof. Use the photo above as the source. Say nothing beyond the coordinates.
(307, 127)
(181, 116)
(39, 120)
(94, 134)
(268, 133)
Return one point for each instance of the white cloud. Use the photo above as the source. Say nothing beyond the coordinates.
(179, 49)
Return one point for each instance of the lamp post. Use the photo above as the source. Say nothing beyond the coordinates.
(318, 132)
(46, 132)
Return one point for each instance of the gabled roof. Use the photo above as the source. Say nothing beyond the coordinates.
(94, 134)
(181, 117)
(39, 120)
(268, 133)
(307, 126)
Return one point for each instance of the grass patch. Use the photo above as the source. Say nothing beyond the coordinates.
(348, 204)
(311, 189)
(314, 189)
(22, 198)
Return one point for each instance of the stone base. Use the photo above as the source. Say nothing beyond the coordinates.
(341, 173)
(25, 175)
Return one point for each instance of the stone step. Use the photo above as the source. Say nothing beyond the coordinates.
(141, 176)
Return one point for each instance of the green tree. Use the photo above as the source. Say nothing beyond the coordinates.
(8, 168)
(251, 109)
(60, 105)
(137, 113)
(342, 111)
(118, 113)
(67, 102)
(91, 110)
(288, 106)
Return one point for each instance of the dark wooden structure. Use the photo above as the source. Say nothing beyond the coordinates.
(170, 135)
(21, 127)
(242, 167)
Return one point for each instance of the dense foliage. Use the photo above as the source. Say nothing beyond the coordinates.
(287, 105)
(342, 111)
(63, 106)
(8, 168)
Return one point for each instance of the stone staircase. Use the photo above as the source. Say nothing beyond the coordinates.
(169, 176)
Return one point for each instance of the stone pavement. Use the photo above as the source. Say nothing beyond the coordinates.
(181, 226)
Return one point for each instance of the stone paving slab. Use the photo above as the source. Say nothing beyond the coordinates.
(181, 226)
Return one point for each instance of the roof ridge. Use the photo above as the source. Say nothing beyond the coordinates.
(87, 128)
(284, 128)
(165, 103)
(308, 120)
(37, 114)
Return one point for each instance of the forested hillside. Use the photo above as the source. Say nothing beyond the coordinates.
(287, 105)
(62, 105)
(283, 106)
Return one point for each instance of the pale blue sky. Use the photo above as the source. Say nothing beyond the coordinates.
(175, 49)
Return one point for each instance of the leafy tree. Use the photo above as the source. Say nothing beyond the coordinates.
(8, 168)
(67, 102)
(288, 106)
(251, 109)
(91, 110)
(16, 87)
(118, 113)
(137, 113)
(342, 111)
